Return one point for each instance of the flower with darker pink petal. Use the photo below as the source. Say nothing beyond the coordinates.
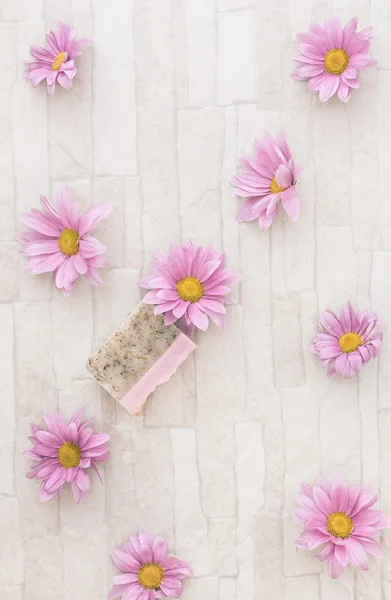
(345, 343)
(267, 180)
(189, 283)
(340, 519)
(63, 452)
(59, 241)
(147, 572)
(56, 62)
(330, 57)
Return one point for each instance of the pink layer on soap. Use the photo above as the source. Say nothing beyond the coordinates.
(159, 373)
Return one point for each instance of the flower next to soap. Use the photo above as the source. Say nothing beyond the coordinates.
(147, 571)
(343, 344)
(267, 179)
(55, 62)
(340, 519)
(330, 57)
(59, 241)
(63, 452)
(189, 283)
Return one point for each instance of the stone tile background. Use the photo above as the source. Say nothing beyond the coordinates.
(169, 96)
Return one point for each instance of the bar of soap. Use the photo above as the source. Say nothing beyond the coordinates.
(140, 355)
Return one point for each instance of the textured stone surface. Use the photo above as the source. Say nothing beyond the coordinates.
(168, 97)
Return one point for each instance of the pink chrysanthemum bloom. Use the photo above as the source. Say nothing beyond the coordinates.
(344, 343)
(329, 57)
(267, 178)
(340, 517)
(63, 453)
(148, 572)
(189, 283)
(60, 241)
(56, 62)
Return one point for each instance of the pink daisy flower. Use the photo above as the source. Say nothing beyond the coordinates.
(62, 453)
(56, 62)
(329, 57)
(60, 241)
(189, 283)
(267, 178)
(344, 343)
(341, 518)
(148, 572)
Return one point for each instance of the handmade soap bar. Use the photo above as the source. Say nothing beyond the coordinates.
(138, 356)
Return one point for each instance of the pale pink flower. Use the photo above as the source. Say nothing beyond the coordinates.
(330, 57)
(62, 454)
(344, 343)
(339, 518)
(148, 572)
(56, 62)
(60, 241)
(189, 283)
(266, 179)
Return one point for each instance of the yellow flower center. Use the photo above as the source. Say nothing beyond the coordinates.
(339, 525)
(69, 455)
(274, 187)
(349, 342)
(68, 242)
(336, 61)
(189, 289)
(150, 576)
(59, 59)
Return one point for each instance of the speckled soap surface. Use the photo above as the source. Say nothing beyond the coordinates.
(167, 98)
(140, 340)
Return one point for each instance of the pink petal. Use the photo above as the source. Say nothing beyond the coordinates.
(82, 480)
(90, 246)
(344, 92)
(64, 81)
(341, 554)
(46, 450)
(76, 492)
(159, 550)
(39, 222)
(322, 500)
(166, 305)
(249, 210)
(93, 276)
(197, 317)
(97, 439)
(290, 203)
(328, 87)
(361, 61)
(44, 495)
(333, 31)
(179, 310)
(80, 263)
(56, 480)
(283, 176)
(49, 439)
(41, 247)
(71, 433)
(315, 83)
(265, 221)
(335, 568)
(66, 209)
(357, 554)
(372, 547)
(169, 318)
(125, 561)
(92, 216)
(125, 578)
(339, 496)
(307, 71)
